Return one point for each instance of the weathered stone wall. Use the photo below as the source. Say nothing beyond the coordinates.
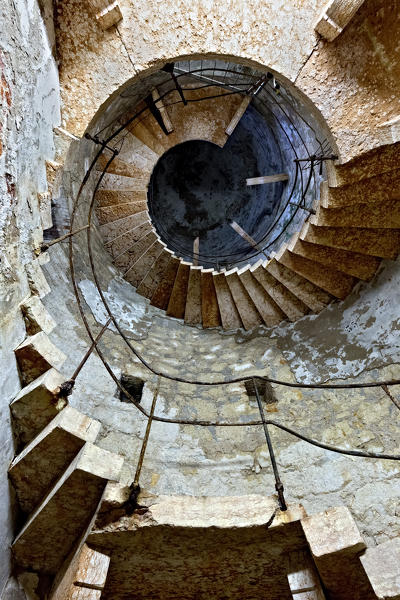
(353, 81)
(29, 108)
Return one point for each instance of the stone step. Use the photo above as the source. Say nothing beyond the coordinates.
(144, 263)
(290, 304)
(334, 282)
(373, 242)
(336, 544)
(36, 405)
(355, 264)
(48, 536)
(312, 295)
(142, 128)
(134, 151)
(162, 293)
(126, 240)
(230, 317)
(111, 197)
(177, 302)
(269, 311)
(153, 278)
(110, 231)
(209, 304)
(383, 215)
(36, 355)
(193, 300)
(127, 259)
(122, 183)
(36, 316)
(249, 315)
(238, 115)
(121, 167)
(380, 160)
(380, 188)
(381, 564)
(109, 214)
(35, 470)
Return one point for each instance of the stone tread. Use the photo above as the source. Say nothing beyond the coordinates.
(373, 242)
(177, 301)
(113, 197)
(209, 304)
(355, 264)
(269, 311)
(163, 291)
(144, 263)
(249, 315)
(312, 295)
(126, 240)
(154, 276)
(193, 303)
(334, 282)
(110, 231)
(127, 260)
(380, 188)
(120, 167)
(290, 304)
(230, 317)
(383, 215)
(109, 214)
(122, 183)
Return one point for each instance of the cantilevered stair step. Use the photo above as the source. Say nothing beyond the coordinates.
(249, 315)
(44, 460)
(36, 355)
(209, 304)
(127, 260)
(380, 188)
(355, 264)
(290, 304)
(177, 302)
(193, 301)
(230, 317)
(144, 263)
(122, 183)
(163, 291)
(110, 231)
(269, 311)
(153, 278)
(62, 516)
(36, 405)
(384, 215)
(134, 151)
(111, 197)
(120, 167)
(108, 214)
(335, 282)
(142, 127)
(124, 241)
(379, 160)
(312, 295)
(373, 242)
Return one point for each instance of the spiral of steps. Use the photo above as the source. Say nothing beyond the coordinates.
(356, 225)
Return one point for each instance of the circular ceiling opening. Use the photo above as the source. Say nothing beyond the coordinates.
(198, 190)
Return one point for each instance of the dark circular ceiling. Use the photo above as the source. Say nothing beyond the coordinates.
(197, 189)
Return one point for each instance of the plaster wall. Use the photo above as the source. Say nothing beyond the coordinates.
(29, 108)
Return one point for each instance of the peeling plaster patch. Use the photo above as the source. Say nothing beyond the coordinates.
(122, 304)
(347, 338)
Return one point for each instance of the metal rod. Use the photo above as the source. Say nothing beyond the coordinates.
(47, 245)
(278, 483)
(146, 436)
(393, 399)
(169, 68)
(155, 111)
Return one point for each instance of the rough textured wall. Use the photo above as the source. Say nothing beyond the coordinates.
(351, 341)
(29, 107)
(353, 81)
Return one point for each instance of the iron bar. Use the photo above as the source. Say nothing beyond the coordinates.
(393, 399)
(155, 111)
(278, 483)
(169, 68)
(146, 435)
(47, 245)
